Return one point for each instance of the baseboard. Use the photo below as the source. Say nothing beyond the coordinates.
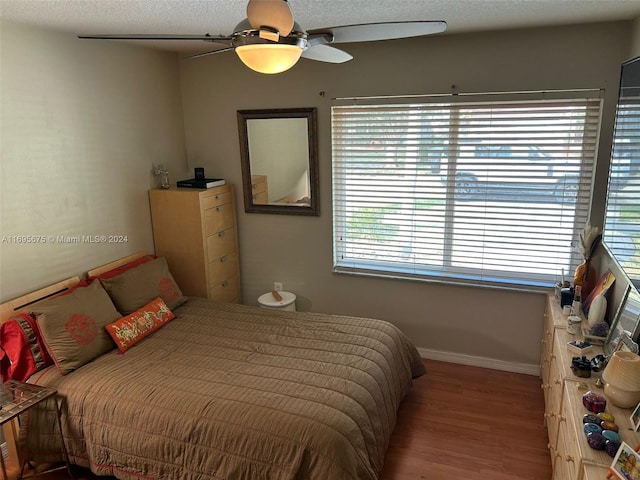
(483, 362)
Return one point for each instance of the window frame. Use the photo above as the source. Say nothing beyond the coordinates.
(448, 274)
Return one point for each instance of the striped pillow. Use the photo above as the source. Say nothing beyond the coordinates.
(23, 352)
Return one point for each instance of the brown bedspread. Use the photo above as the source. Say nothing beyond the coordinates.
(233, 392)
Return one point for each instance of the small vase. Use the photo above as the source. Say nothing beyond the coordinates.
(585, 276)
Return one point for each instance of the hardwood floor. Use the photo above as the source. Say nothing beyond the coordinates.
(471, 423)
(461, 422)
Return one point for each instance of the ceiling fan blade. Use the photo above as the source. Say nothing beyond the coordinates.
(325, 53)
(133, 36)
(212, 52)
(370, 32)
(270, 13)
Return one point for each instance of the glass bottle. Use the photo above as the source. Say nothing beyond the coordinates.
(164, 179)
(576, 306)
(163, 176)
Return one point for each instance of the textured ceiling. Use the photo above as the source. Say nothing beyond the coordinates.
(220, 16)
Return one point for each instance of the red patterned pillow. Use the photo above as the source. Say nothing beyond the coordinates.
(22, 351)
(129, 330)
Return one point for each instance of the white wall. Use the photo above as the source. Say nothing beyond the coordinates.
(474, 323)
(635, 39)
(82, 124)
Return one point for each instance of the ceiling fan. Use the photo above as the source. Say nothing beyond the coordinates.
(270, 41)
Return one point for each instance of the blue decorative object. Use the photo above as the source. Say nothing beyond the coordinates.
(591, 428)
(611, 435)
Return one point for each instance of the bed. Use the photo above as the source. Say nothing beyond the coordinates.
(226, 391)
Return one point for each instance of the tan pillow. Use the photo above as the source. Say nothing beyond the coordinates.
(135, 288)
(73, 325)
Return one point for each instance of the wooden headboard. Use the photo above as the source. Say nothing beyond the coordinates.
(115, 264)
(18, 304)
(10, 308)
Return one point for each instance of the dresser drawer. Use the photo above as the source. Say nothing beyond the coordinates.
(218, 218)
(221, 243)
(568, 456)
(227, 291)
(210, 201)
(223, 268)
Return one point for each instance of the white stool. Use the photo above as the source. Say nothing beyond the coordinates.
(288, 301)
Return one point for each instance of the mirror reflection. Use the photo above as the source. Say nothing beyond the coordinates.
(279, 160)
(627, 323)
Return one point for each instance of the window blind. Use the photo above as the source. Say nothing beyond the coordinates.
(494, 193)
(622, 221)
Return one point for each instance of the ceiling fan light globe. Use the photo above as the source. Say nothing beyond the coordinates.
(269, 58)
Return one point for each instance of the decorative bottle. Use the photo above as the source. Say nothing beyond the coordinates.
(164, 179)
(163, 176)
(576, 306)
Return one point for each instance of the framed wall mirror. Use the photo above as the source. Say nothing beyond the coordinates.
(626, 324)
(279, 155)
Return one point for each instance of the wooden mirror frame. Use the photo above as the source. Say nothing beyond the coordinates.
(312, 137)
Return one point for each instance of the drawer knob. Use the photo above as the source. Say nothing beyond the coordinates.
(223, 259)
(221, 234)
(217, 197)
(225, 283)
(220, 208)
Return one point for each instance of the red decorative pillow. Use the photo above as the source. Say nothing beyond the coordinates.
(123, 268)
(22, 351)
(129, 330)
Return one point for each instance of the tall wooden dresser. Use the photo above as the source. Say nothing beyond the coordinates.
(196, 231)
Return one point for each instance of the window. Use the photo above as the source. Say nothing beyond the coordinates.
(475, 192)
(622, 224)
